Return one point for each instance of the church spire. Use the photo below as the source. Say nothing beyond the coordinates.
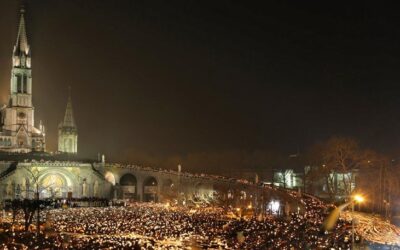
(22, 40)
(69, 120)
(21, 53)
(18, 116)
(67, 131)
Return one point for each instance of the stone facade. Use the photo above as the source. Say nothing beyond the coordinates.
(54, 180)
(63, 179)
(22, 175)
(76, 179)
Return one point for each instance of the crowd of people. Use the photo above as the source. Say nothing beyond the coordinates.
(160, 226)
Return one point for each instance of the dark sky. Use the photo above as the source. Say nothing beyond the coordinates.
(169, 79)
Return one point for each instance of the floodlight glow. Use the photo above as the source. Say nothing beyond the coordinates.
(358, 198)
(274, 206)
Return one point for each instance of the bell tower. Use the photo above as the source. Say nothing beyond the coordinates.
(18, 132)
(21, 73)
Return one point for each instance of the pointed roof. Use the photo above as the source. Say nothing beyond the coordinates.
(22, 41)
(69, 120)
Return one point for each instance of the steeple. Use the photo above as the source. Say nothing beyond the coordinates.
(21, 53)
(21, 72)
(69, 120)
(67, 131)
(18, 115)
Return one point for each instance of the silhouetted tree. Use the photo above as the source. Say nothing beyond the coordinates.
(336, 161)
(30, 206)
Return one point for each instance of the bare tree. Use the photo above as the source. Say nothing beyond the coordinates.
(391, 190)
(29, 207)
(337, 160)
(319, 170)
(368, 179)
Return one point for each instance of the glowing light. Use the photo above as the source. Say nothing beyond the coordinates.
(358, 198)
(110, 177)
(53, 185)
(53, 181)
(274, 206)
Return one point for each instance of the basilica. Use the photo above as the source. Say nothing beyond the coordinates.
(18, 133)
(27, 170)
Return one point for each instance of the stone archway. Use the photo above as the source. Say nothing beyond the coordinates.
(53, 185)
(150, 189)
(58, 182)
(128, 184)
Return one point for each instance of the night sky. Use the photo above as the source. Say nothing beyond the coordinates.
(209, 83)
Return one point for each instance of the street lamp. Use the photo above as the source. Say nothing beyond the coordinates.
(355, 199)
(333, 217)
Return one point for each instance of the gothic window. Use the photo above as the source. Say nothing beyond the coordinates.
(19, 83)
(22, 140)
(25, 84)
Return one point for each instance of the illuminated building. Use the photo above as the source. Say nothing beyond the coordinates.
(61, 175)
(18, 131)
(288, 178)
(319, 185)
(67, 176)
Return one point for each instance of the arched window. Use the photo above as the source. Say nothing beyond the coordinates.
(128, 180)
(25, 84)
(128, 185)
(19, 83)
